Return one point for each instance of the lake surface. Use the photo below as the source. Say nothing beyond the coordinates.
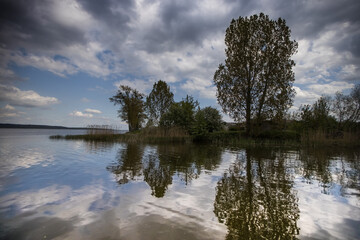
(57, 189)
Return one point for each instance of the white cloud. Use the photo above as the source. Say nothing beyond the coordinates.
(89, 110)
(61, 68)
(85, 58)
(28, 98)
(304, 96)
(81, 114)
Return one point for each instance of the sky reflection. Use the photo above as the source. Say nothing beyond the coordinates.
(127, 191)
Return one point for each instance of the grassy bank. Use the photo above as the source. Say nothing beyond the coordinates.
(147, 135)
(266, 138)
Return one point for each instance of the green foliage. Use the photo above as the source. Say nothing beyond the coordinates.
(159, 101)
(207, 120)
(256, 80)
(181, 114)
(132, 106)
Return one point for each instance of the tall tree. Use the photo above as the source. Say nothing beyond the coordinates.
(159, 101)
(256, 79)
(132, 106)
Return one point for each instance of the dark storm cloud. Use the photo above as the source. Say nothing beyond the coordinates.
(116, 14)
(30, 25)
(115, 18)
(181, 23)
(311, 18)
(178, 24)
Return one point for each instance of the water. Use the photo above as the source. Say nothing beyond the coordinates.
(57, 189)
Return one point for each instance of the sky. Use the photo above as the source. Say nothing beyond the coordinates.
(60, 61)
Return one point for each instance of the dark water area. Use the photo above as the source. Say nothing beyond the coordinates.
(57, 189)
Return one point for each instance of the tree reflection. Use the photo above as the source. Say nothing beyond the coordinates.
(255, 200)
(158, 176)
(129, 163)
(158, 164)
(188, 160)
(184, 160)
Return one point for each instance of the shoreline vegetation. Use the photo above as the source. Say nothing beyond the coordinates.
(231, 137)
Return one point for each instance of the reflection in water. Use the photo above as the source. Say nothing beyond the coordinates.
(330, 167)
(97, 146)
(255, 198)
(157, 175)
(187, 161)
(129, 163)
(65, 190)
(159, 164)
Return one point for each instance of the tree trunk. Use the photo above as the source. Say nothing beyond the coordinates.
(248, 117)
(248, 109)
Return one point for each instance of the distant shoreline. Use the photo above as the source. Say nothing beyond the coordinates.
(34, 126)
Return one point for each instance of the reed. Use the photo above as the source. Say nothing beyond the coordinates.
(323, 138)
(147, 135)
(158, 135)
(100, 129)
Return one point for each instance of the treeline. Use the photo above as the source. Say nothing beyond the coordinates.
(329, 117)
(159, 109)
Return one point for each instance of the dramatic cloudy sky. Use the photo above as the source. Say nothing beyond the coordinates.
(60, 61)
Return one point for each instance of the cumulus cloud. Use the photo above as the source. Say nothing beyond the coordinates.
(87, 113)
(178, 42)
(17, 97)
(59, 67)
(81, 114)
